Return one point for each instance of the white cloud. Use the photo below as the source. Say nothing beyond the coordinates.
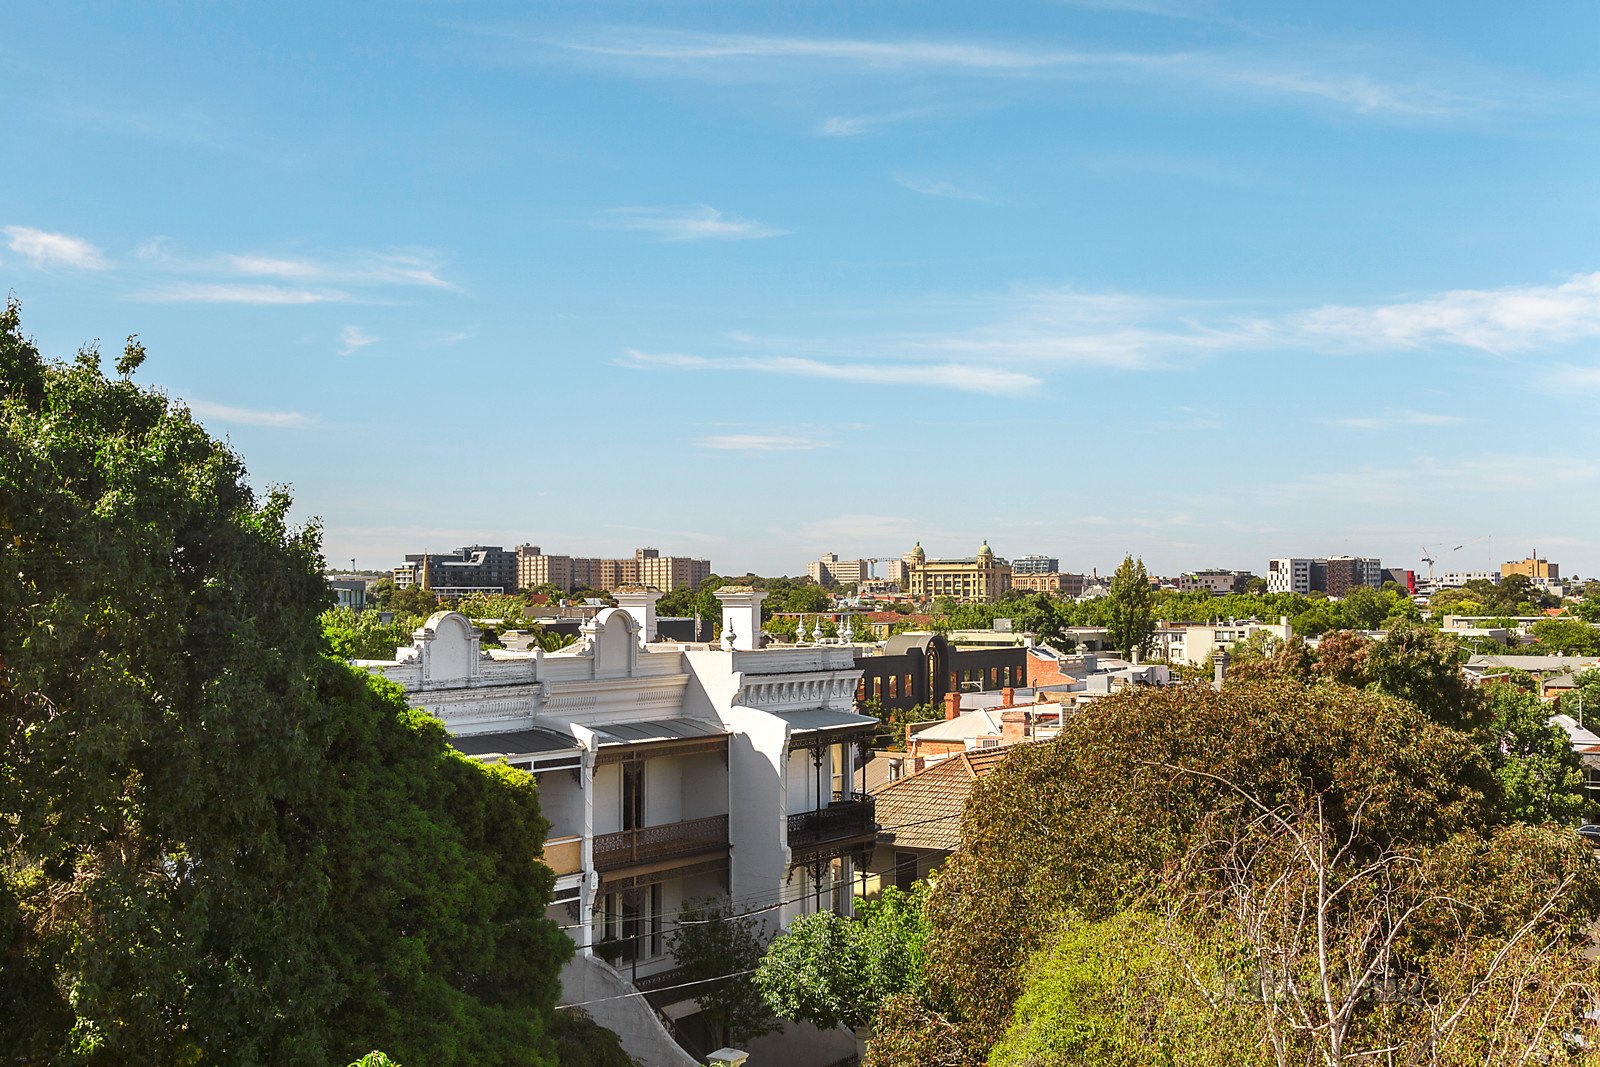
(43, 249)
(288, 420)
(755, 442)
(699, 223)
(354, 338)
(1494, 320)
(1395, 419)
(764, 57)
(210, 293)
(1567, 376)
(348, 268)
(947, 190)
(993, 381)
(844, 126)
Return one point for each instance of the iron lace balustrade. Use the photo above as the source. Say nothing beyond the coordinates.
(850, 815)
(668, 841)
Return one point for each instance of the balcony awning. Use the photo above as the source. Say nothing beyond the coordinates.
(819, 720)
(620, 740)
(513, 745)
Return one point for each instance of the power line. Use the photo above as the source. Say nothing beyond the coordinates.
(663, 989)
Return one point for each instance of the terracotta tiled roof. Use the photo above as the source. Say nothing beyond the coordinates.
(923, 810)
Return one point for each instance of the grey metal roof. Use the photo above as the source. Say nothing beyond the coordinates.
(633, 733)
(811, 720)
(1535, 663)
(513, 744)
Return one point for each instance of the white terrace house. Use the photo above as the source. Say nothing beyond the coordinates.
(667, 771)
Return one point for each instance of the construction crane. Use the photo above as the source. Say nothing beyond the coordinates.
(1430, 559)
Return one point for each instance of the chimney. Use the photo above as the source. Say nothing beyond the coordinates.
(1013, 727)
(952, 705)
(640, 602)
(741, 613)
(1008, 697)
(1219, 660)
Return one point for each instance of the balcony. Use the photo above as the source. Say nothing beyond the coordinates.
(851, 815)
(564, 855)
(651, 844)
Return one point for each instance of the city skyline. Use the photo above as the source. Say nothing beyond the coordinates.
(1212, 285)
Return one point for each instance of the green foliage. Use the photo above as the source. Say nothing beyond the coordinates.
(1122, 993)
(363, 634)
(833, 971)
(1130, 609)
(582, 1042)
(375, 1058)
(1423, 666)
(223, 846)
(1513, 595)
(1086, 823)
(1567, 637)
(721, 950)
(1540, 773)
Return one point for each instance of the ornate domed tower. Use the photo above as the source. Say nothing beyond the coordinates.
(985, 554)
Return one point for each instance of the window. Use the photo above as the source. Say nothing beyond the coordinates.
(894, 686)
(841, 787)
(633, 795)
(905, 870)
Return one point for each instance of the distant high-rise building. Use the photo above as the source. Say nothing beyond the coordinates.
(474, 569)
(647, 567)
(1334, 575)
(1540, 570)
(831, 570)
(1035, 565)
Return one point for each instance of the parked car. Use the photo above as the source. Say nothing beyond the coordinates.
(1590, 832)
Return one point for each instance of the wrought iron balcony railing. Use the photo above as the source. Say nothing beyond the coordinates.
(850, 815)
(668, 841)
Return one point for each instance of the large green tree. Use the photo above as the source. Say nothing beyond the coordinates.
(1130, 608)
(1089, 822)
(219, 844)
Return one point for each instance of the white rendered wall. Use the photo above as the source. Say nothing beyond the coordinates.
(663, 790)
(607, 798)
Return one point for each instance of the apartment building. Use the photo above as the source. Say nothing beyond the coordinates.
(1216, 582)
(473, 569)
(668, 772)
(647, 567)
(1194, 643)
(831, 570)
(1035, 565)
(1334, 575)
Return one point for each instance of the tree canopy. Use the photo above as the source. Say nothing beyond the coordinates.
(221, 844)
(1130, 609)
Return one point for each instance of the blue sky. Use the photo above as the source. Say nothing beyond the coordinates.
(1203, 282)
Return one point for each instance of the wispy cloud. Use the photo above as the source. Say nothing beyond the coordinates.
(1395, 419)
(353, 338)
(44, 249)
(346, 268)
(756, 442)
(971, 378)
(1511, 319)
(698, 223)
(845, 126)
(287, 420)
(944, 189)
(1019, 334)
(224, 293)
(1283, 77)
